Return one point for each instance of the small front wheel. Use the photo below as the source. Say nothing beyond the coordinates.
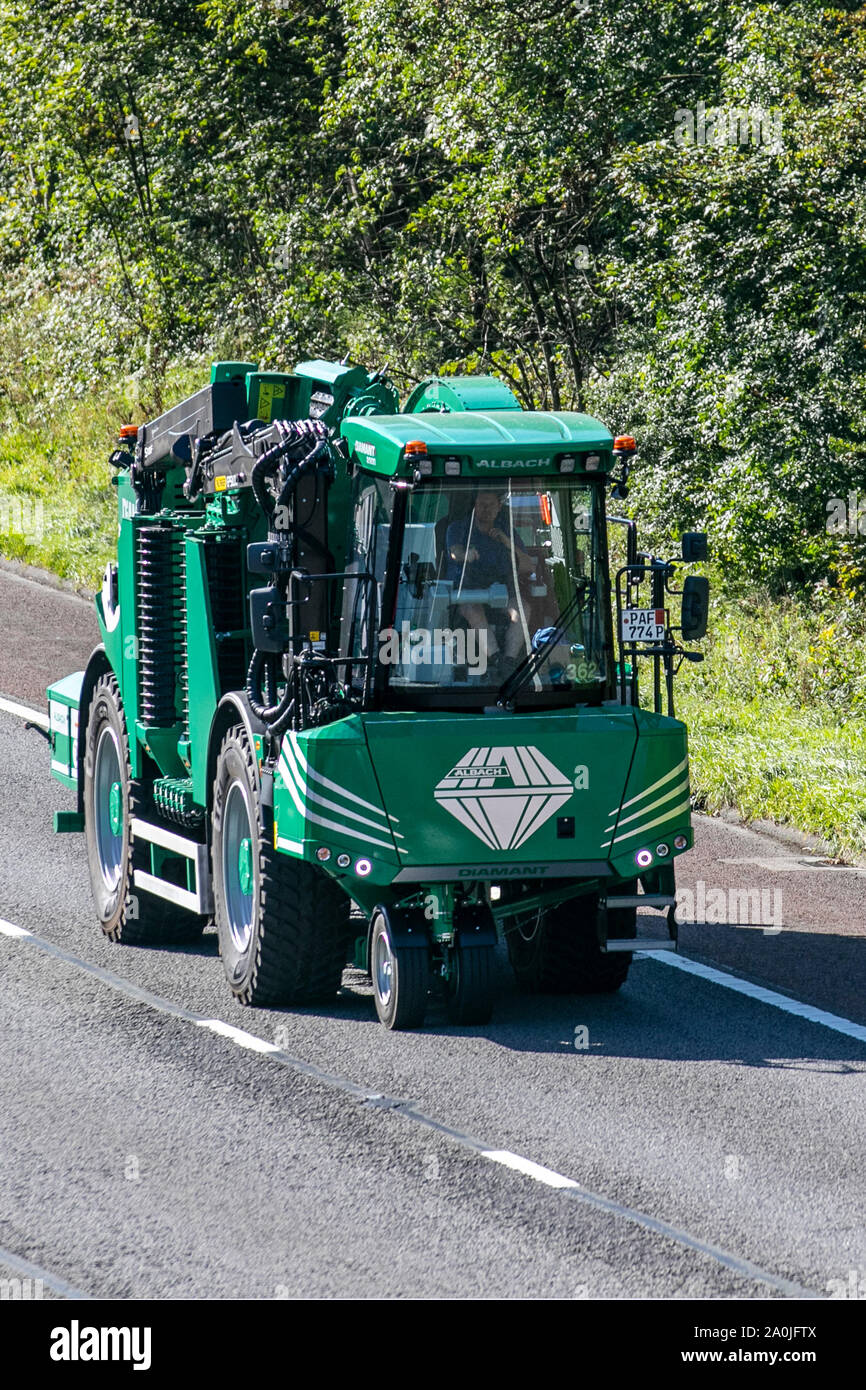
(401, 978)
(470, 988)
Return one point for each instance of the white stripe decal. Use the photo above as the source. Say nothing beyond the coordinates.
(294, 846)
(326, 781)
(320, 820)
(310, 795)
(659, 820)
(645, 810)
(660, 783)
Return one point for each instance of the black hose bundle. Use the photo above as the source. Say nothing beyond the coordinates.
(262, 678)
(302, 447)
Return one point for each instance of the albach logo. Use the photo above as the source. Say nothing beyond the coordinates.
(503, 795)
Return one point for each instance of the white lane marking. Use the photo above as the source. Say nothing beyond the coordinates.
(237, 1035)
(537, 1171)
(34, 716)
(525, 1165)
(764, 996)
(10, 929)
(31, 1271)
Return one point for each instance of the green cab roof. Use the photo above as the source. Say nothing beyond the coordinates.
(485, 439)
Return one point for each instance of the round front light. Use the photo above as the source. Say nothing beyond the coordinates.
(323, 854)
(680, 842)
(344, 860)
(363, 867)
(643, 858)
(663, 850)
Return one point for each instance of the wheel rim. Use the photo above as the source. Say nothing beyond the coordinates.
(107, 796)
(383, 968)
(237, 870)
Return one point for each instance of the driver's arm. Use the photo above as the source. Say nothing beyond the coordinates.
(525, 562)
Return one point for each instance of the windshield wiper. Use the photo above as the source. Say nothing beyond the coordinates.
(536, 659)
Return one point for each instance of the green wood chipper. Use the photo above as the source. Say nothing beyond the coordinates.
(367, 693)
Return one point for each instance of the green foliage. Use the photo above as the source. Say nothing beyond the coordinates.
(470, 186)
(777, 712)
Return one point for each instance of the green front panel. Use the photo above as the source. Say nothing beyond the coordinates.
(502, 790)
(427, 796)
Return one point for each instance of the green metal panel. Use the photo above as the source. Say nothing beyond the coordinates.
(127, 672)
(461, 393)
(161, 742)
(333, 373)
(656, 803)
(490, 791)
(480, 797)
(230, 371)
(277, 396)
(326, 795)
(491, 443)
(64, 698)
(201, 654)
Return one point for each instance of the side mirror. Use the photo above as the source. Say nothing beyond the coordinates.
(694, 544)
(696, 607)
(268, 620)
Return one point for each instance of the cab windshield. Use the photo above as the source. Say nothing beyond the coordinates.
(488, 573)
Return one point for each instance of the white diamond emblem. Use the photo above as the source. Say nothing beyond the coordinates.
(503, 795)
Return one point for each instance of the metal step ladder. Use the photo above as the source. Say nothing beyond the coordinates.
(661, 902)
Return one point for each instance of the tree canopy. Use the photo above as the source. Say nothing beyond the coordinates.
(654, 211)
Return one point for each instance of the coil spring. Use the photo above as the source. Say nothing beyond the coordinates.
(160, 624)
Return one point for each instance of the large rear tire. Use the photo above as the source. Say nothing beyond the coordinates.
(111, 801)
(283, 925)
(557, 951)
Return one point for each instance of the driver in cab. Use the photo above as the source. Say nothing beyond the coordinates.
(481, 553)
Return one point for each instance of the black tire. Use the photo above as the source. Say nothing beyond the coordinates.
(470, 991)
(285, 941)
(126, 914)
(401, 978)
(557, 951)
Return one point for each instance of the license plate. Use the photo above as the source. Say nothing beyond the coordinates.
(643, 625)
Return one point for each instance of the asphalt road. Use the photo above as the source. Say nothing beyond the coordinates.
(713, 1140)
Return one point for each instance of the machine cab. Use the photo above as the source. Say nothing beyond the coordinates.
(473, 568)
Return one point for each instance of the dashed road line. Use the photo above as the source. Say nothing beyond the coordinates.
(569, 1188)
